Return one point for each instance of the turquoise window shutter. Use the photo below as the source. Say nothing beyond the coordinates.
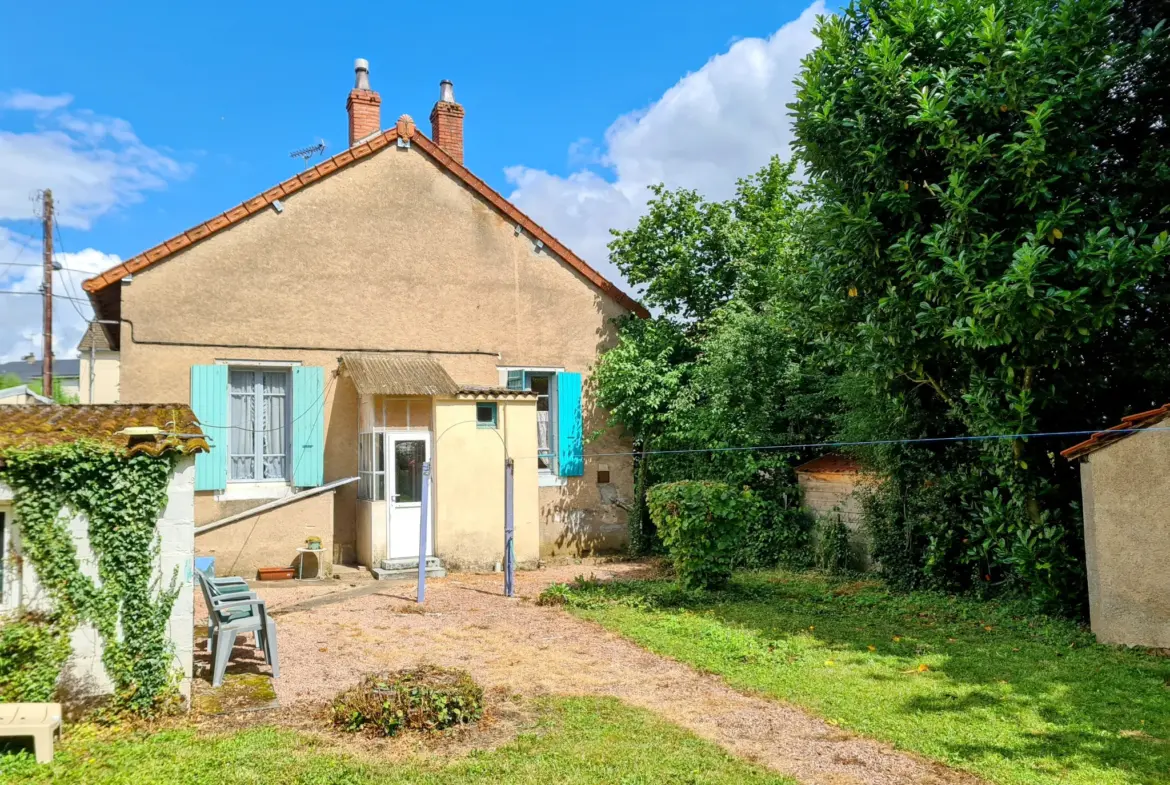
(570, 433)
(515, 380)
(308, 428)
(209, 401)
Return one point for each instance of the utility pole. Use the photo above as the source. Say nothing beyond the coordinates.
(47, 293)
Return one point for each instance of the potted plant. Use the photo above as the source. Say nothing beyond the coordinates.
(313, 543)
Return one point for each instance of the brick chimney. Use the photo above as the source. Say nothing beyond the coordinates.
(364, 105)
(447, 122)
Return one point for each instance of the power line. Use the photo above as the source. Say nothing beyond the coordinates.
(65, 279)
(39, 294)
(20, 248)
(58, 269)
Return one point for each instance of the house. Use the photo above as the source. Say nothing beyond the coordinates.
(20, 395)
(381, 310)
(66, 374)
(1125, 493)
(98, 367)
(40, 425)
(830, 488)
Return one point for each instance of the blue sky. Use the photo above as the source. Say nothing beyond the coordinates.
(146, 120)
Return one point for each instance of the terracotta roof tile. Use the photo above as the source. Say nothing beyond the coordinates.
(833, 463)
(489, 393)
(22, 427)
(405, 127)
(1127, 427)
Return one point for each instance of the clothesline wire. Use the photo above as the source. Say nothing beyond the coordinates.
(838, 444)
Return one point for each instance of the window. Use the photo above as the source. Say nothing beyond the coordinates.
(372, 466)
(486, 415)
(259, 425)
(543, 383)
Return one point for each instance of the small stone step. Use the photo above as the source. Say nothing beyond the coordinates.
(407, 569)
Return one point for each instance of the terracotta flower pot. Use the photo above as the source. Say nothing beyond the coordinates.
(277, 573)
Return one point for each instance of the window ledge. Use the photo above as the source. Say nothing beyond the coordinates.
(549, 480)
(240, 491)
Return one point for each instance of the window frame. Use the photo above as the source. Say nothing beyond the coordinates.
(374, 478)
(259, 369)
(494, 408)
(550, 475)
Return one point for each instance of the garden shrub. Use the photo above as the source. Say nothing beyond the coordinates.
(703, 525)
(33, 650)
(427, 698)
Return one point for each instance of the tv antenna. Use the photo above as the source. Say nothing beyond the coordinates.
(305, 153)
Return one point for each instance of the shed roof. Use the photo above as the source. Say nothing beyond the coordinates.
(36, 425)
(833, 463)
(23, 390)
(378, 374)
(1127, 427)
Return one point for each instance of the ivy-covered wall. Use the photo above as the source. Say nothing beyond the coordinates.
(171, 574)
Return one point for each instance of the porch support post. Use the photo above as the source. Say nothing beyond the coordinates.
(422, 532)
(509, 531)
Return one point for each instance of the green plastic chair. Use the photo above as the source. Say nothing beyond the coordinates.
(233, 614)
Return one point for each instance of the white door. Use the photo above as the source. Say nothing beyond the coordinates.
(407, 451)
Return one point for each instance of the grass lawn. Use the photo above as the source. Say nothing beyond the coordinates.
(577, 740)
(1012, 698)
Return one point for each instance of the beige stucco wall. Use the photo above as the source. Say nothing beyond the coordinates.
(390, 253)
(270, 539)
(469, 483)
(106, 373)
(1126, 492)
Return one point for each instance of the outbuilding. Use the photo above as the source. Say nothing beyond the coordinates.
(1125, 489)
(162, 431)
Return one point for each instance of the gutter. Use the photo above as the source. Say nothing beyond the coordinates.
(273, 505)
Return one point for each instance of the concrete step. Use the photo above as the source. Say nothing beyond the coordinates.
(407, 569)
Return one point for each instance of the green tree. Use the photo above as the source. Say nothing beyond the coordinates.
(719, 366)
(987, 250)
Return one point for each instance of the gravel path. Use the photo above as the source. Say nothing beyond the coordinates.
(329, 643)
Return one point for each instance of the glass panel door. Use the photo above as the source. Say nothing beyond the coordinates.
(406, 453)
(408, 462)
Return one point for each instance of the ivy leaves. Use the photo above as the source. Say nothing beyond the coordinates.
(121, 498)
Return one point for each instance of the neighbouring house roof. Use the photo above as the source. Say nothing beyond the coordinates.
(23, 391)
(379, 374)
(491, 393)
(95, 338)
(405, 130)
(27, 426)
(833, 463)
(1127, 427)
(31, 372)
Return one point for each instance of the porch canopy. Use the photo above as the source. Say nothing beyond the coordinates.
(378, 374)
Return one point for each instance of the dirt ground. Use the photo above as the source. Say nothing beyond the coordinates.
(333, 633)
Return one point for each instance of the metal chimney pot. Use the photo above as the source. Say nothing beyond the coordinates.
(361, 68)
(446, 92)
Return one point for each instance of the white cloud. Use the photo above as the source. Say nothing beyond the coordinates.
(94, 164)
(20, 315)
(718, 124)
(22, 100)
